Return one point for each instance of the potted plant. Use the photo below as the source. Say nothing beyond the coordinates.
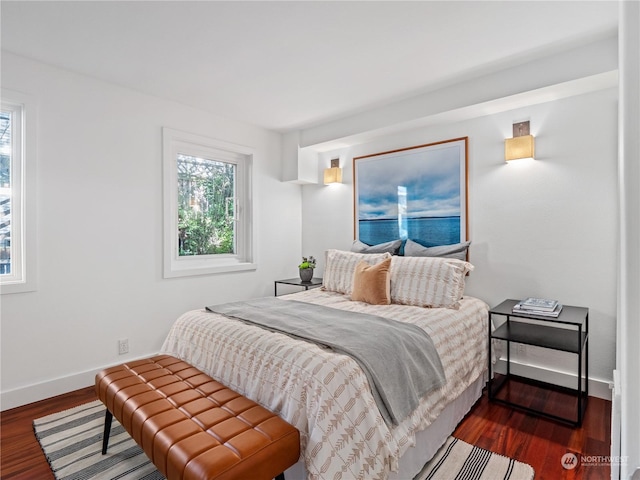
(306, 268)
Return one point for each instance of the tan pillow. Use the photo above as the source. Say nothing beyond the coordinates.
(372, 283)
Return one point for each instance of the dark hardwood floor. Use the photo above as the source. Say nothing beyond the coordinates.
(538, 442)
(20, 453)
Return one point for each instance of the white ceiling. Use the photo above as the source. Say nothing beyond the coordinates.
(291, 65)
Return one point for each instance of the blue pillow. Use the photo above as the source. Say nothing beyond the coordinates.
(457, 250)
(392, 247)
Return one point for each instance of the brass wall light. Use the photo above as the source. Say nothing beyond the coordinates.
(334, 173)
(522, 143)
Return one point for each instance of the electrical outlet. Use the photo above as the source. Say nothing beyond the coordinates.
(123, 346)
(522, 349)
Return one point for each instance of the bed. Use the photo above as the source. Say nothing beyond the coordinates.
(326, 395)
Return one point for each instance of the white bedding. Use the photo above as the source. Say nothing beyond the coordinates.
(326, 395)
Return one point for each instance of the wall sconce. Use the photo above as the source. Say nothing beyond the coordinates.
(333, 174)
(521, 145)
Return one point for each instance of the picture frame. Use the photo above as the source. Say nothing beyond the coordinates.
(417, 193)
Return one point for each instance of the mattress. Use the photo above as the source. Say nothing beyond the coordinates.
(326, 395)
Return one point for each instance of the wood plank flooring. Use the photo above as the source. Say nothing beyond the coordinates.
(20, 454)
(538, 442)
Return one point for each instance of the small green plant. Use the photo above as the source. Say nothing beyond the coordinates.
(307, 262)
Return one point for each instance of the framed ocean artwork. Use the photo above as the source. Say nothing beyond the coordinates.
(417, 193)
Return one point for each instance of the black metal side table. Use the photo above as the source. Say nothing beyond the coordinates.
(569, 332)
(313, 283)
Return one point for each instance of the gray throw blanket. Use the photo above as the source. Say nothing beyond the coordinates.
(399, 359)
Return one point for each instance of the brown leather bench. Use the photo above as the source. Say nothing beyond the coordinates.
(191, 426)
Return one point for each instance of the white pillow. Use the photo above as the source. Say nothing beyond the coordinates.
(428, 281)
(339, 267)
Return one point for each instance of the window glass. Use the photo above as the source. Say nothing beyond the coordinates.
(206, 204)
(5, 191)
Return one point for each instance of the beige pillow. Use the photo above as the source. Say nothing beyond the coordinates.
(428, 281)
(340, 265)
(372, 283)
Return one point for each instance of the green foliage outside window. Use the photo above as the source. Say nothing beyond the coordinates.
(206, 193)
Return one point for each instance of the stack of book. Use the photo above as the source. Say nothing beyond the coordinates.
(538, 306)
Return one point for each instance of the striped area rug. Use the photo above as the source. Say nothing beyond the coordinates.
(460, 461)
(72, 442)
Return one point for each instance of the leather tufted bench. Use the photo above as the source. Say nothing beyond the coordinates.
(192, 427)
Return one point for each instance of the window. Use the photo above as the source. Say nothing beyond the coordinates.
(208, 221)
(17, 166)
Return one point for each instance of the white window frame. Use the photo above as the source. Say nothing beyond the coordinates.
(23, 194)
(176, 142)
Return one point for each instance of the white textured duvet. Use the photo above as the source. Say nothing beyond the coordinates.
(326, 395)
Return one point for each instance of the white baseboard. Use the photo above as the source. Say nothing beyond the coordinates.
(51, 388)
(597, 387)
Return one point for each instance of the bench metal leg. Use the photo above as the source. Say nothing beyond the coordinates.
(108, 417)
(280, 476)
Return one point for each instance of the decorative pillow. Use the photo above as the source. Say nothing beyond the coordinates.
(392, 247)
(372, 283)
(428, 281)
(458, 250)
(339, 267)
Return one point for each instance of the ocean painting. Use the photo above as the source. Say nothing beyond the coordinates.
(418, 193)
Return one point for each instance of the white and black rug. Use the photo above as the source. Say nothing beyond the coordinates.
(72, 442)
(460, 461)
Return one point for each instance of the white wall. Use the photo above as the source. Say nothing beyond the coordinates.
(99, 208)
(544, 227)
